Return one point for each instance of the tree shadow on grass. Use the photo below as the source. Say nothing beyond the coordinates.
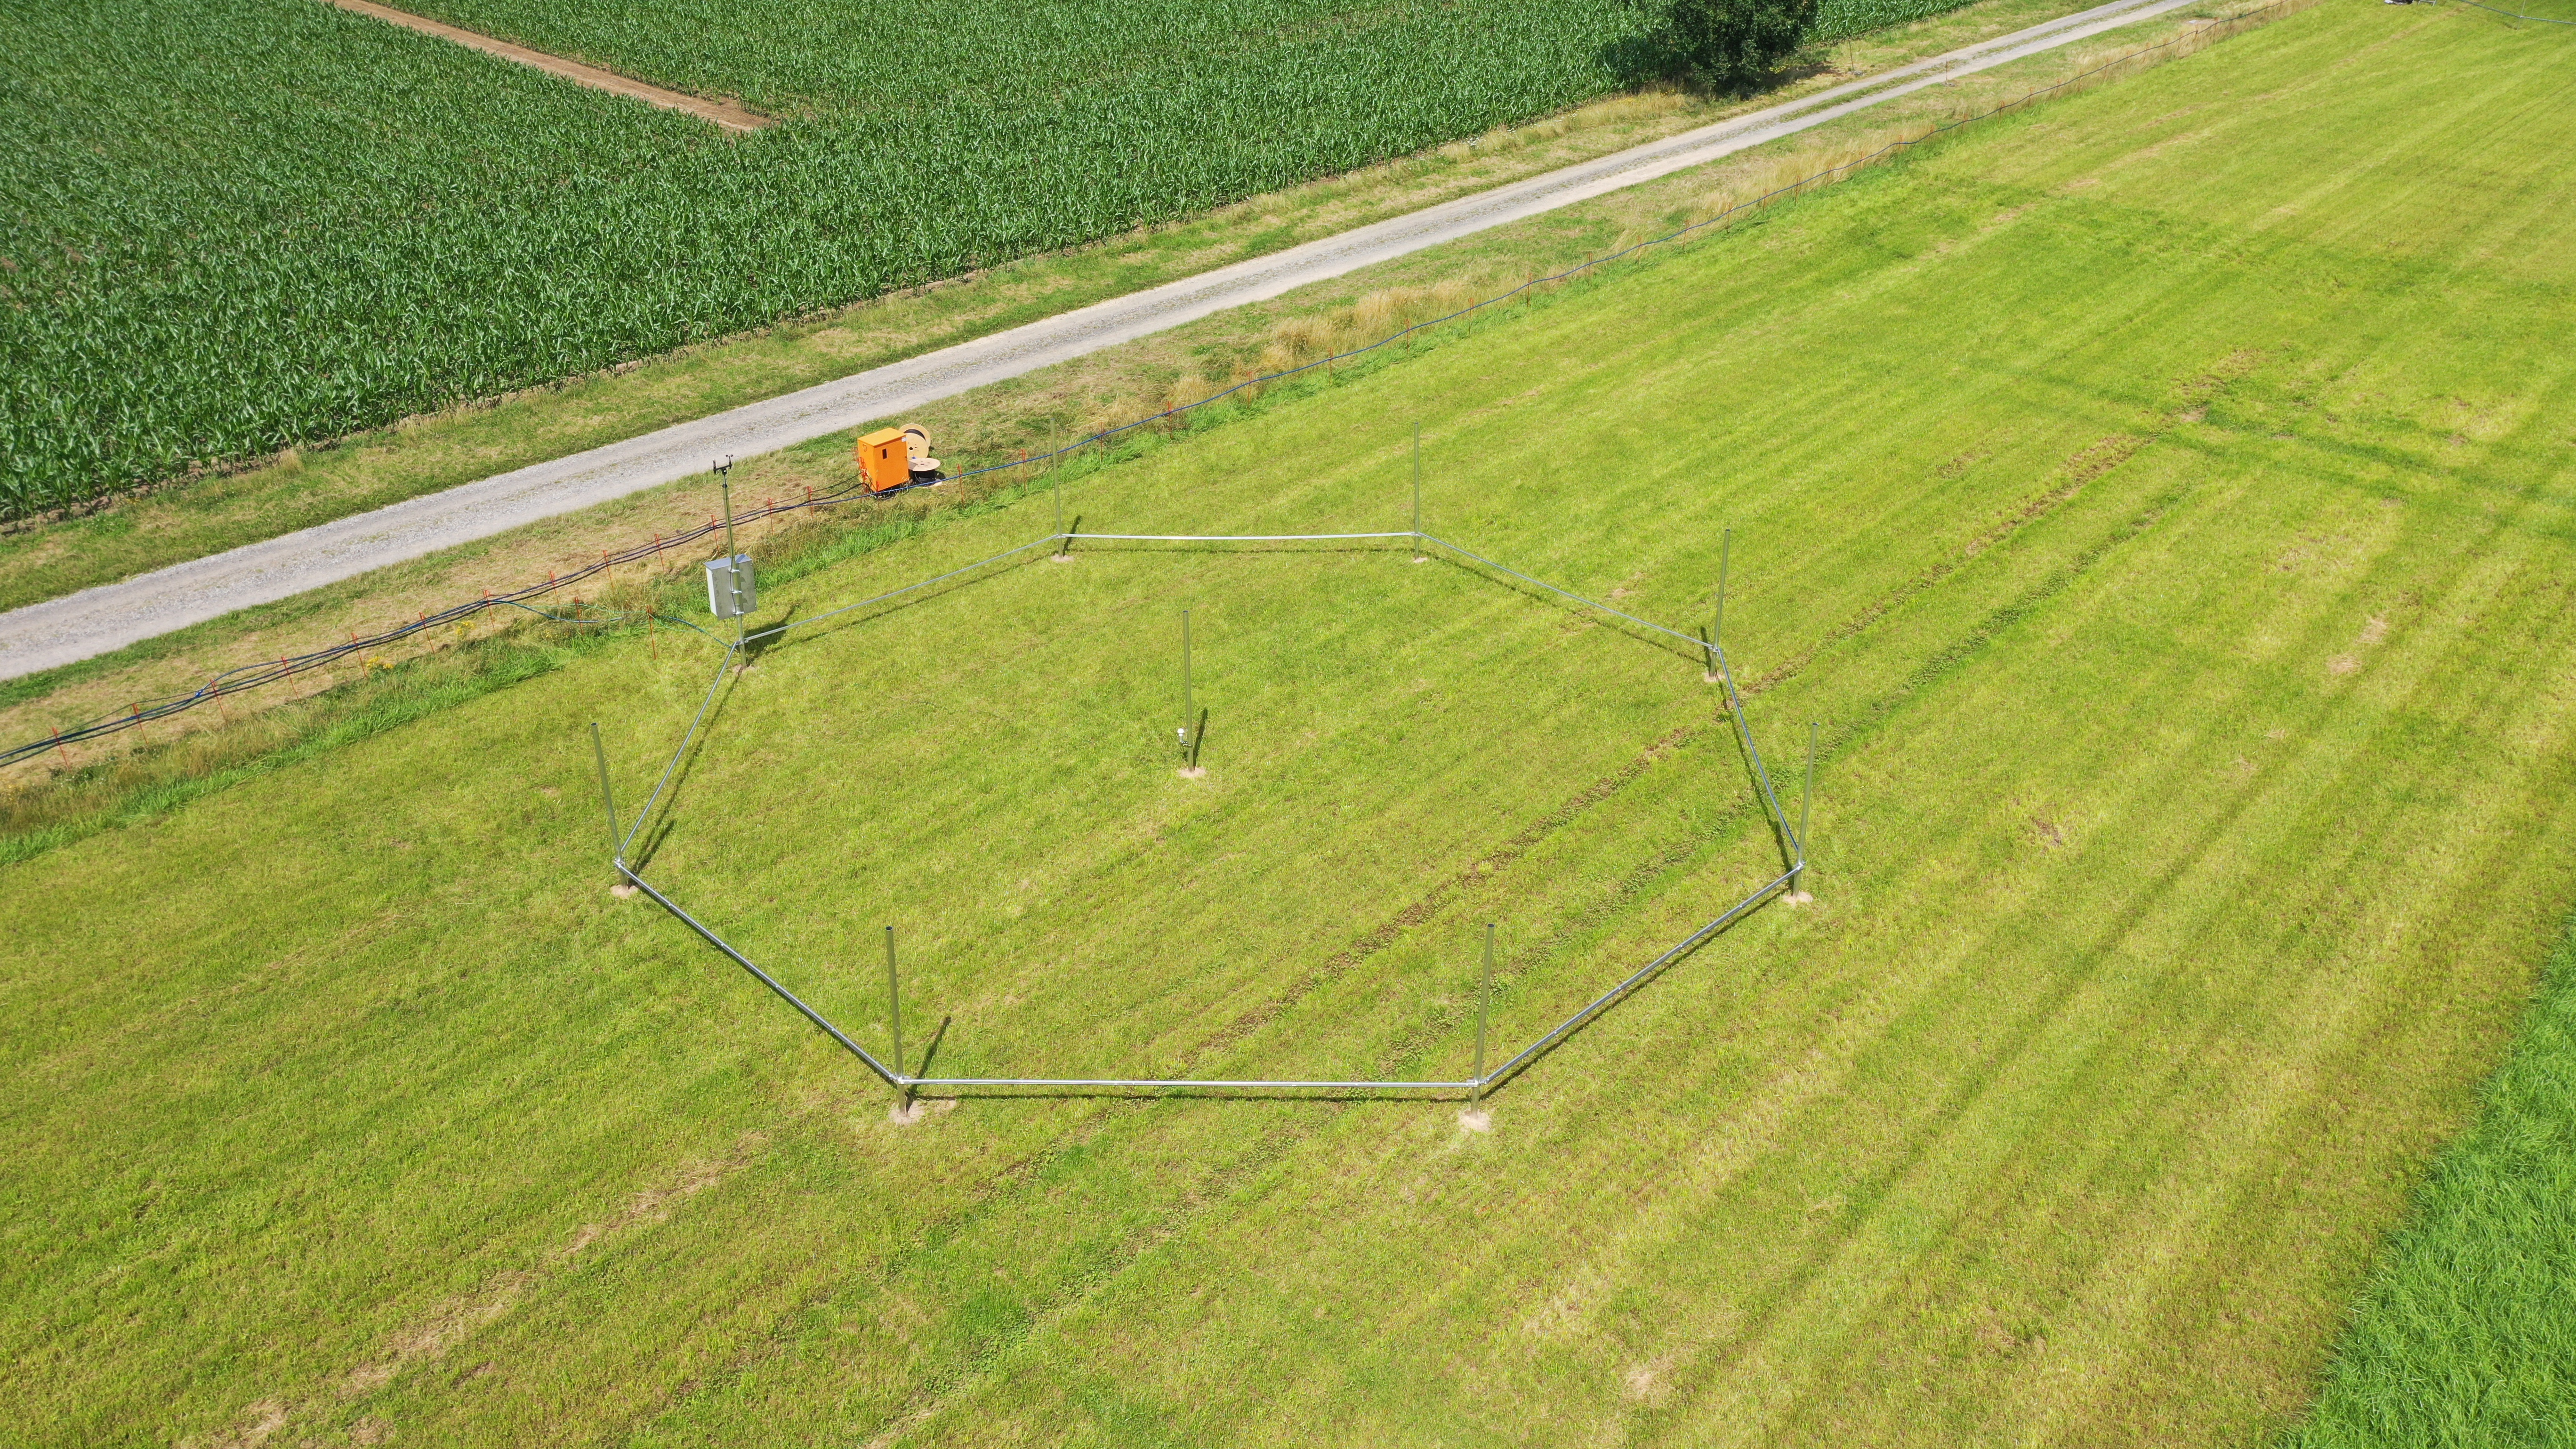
(683, 765)
(1650, 58)
(760, 641)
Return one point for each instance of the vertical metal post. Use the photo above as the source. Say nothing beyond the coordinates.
(1806, 796)
(894, 1005)
(1055, 485)
(1484, 1008)
(1417, 492)
(724, 482)
(733, 578)
(616, 851)
(1189, 700)
(1725, 544)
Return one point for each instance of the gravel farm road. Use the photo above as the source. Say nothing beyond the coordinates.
(96, 620)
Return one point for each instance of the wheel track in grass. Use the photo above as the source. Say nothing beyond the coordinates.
(1444, 893)
(1008, 1187)
(2290, 1113)
(1074, 1293)
(426, 1336)
(2100, 457)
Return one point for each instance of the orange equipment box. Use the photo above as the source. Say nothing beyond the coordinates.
(885, 460)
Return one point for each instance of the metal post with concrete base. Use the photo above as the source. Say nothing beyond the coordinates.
(1725, 542)
(894, 1010)
(1475, 1118)
(1417, 493)
(1484, 1010)
(1798, 894)
(1189, 730)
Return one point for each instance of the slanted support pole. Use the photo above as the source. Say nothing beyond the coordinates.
(608, 802)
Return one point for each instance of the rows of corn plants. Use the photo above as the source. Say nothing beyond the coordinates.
(1841, 19)
(231, 226)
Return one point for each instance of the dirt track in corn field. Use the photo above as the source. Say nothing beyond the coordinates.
(729, 114)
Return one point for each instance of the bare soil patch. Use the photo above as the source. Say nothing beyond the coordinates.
(729, 114)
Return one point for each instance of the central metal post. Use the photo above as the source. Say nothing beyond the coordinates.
(1189, 700)
(1484, 1008)
(616, 847)
(1725, 543)
(1417, 492)
(894, 1006)
(733, 569)
(1806, 796)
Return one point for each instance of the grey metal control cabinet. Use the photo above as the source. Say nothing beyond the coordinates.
(730, 590)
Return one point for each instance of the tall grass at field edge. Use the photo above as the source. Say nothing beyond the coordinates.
(2465, 1333)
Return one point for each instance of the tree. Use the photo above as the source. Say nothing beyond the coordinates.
(1735, 44)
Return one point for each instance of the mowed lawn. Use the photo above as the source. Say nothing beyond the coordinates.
(2164, 500)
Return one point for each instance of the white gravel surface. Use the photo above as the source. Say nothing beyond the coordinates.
(111, 616)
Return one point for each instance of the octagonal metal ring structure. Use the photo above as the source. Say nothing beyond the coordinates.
(1793, 851)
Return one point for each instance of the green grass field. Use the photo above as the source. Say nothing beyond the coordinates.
(2160, 496)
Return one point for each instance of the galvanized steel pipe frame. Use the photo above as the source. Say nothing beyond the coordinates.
(911, 1085)
(1473, 1087)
